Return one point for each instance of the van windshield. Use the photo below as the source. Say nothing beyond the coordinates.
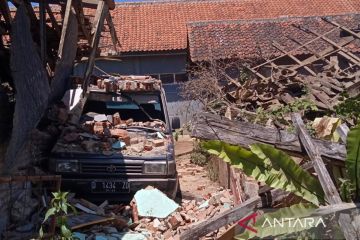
(138, 106)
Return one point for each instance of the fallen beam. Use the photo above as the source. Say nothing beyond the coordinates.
(331, 193)
(213, 127)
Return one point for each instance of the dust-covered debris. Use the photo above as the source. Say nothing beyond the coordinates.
(118, 219)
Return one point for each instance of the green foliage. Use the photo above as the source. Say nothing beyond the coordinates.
(264, 224)
(296, 106)
(59, 209)
(281, 112)
(347, 189)
(352, 162)
(271, 166)
(199, 155)
(349, 108)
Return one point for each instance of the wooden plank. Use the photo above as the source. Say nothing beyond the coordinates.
(331, 193)
(210, 126)
(343, 131)
(42, 22)
(222, 219)
(81, 19)
(54, 23)
(114, 37)
(32, 91)
(4, 9)
(64, 27)
(295, 49)
(278, 46)
(357, 35)
(30, 12)
(110, 3)
(65, 64)
(101, 12)
(308, 48)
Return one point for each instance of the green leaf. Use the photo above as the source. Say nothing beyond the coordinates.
(64, 207)
(49, 213)
(271, 166)
(65, 232)
(352, 162)
(298, 181)
(266, 227)
(41, 233)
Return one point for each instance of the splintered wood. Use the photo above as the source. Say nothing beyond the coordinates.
(320, 77)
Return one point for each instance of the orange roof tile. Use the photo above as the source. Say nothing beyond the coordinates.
(157, 26)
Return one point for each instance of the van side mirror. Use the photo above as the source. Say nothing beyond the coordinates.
(175, 123)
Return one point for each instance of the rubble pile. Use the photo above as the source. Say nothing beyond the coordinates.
(110, 134)
(165, 220)
(127, 83)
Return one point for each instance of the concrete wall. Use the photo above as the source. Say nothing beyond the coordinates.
(156, 64)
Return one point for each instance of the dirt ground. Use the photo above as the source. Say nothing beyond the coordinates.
(194, 180)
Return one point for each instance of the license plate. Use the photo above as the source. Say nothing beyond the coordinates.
(110, 187)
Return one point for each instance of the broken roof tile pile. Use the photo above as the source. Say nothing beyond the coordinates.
(159, 26)
(144, 220)
(254, 39)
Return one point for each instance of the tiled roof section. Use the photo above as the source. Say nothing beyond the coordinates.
(160, 26)
(254, 38)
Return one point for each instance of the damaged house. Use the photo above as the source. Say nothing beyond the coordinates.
(160, 38)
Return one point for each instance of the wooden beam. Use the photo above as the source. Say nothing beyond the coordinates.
(295, 49)
(81, 19)
(327, 184)
(30, 12)
(42, 22)
(345, 53)
(4, 9)
(357, 35)
(64, 27)
(110, 3)
(222, 219)
(343, 131)
(210, 126)
(101, 12)
(114, 37)
(278, 46)
(54, 23)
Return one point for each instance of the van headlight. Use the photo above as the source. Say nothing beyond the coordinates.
(67, 166)
(154, 167)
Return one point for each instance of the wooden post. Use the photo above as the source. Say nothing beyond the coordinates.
(81, 20)
(42, 32)
(114, 38)
(4, 9)
(278, 46)
(54, 23)
(64, 27)
(327, 184)
(101, 11)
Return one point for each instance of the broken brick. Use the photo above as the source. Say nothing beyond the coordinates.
(116, 119)
(134, 141)
(121, 134)
(148, 147)
(98, 128)
(175, 220)
(158, 142)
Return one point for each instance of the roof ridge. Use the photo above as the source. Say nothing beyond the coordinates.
(153, 2)
(264, 20)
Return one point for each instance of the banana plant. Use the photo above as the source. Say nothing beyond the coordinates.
(270, 166)
(352, 162)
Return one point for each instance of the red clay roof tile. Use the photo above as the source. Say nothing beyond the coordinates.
(158, 26)
(254, 39)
